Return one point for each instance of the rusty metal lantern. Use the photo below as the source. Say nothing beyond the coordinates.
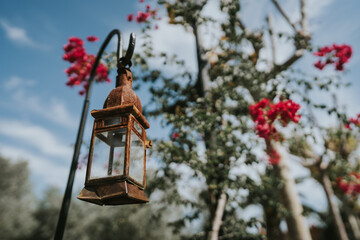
(117, 157)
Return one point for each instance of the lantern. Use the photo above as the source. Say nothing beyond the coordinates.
(117, 157)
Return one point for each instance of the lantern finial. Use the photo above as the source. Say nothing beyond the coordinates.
(123, 93)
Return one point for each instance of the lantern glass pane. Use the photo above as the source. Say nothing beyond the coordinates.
(138, 127)
(137, 153)
(116, 120)
(108, 154)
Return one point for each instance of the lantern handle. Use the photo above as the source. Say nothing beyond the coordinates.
(126, 61)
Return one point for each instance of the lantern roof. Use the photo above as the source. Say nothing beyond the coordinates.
(119, 110)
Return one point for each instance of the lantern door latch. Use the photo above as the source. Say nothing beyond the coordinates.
(148, 144)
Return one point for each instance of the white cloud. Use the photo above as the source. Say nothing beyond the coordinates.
(53, 109)
(19, 35)
(51, 172)
(16, 82)
(35, 136)
(173, 39)
(315, 8)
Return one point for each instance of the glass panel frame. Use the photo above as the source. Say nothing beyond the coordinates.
(137, 158)
(128, 122)
(121, 172)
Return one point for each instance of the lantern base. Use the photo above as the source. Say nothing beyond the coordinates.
(118, 193)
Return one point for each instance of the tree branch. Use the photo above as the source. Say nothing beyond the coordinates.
(243, 28)
(272, 38)
(296, 56)
(254, 38)
(203, 80)
(282, 12)
(296, 222)
(216, 224)
(333, 206)
(303, 18)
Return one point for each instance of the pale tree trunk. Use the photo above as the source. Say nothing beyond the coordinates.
(296, 222)
(217, 221)
(354, 226)
(203, 86)
(333, 207)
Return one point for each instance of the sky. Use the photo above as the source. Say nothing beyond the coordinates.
(39, 114)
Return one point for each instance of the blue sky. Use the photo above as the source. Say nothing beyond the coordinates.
(40, 114)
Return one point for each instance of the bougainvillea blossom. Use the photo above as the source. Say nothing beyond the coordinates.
(338, 54)
(353, 121)
(130, 17)
(92, 39)
(274, 156)
(265, 113)
(175, 135)
(82, 62)
(350, 185)
(143, 16)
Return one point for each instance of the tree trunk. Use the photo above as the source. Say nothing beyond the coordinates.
(273, 231)
(203, 79)
(202, 86)
(340, 228)
(354, 226)
(296, 222)
(217, 221)
(351, 217)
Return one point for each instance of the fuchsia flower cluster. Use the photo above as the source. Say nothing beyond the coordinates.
(335, 54)
(144, 16)
(82, 62)
(264, 113)
(353, 121)
(350, 186)
(175, 135)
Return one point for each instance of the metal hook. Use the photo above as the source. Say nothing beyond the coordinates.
(129, 52)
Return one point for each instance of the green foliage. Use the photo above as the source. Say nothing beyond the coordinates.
(16, 200)
(22, 217)
(212, 135)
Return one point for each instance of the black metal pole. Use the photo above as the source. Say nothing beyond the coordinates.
(67, 196)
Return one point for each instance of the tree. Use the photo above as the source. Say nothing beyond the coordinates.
(16, 200)
(237, 101)
(200, 113)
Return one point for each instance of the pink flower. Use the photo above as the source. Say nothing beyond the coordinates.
(338, 54)
(76, 41)
(353, 121)
(264, 114)
(319, 65)
(274, 156)
(82, 62)
(339, 66)
(323, 51)
(130, 17)
(342, 185)
(343, 52)
(142, 16)
(141, 1)
(175, 135)
(92, 38)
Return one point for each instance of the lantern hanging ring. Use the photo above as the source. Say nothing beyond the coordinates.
(126, 61)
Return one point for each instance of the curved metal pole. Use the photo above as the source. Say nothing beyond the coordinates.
(67, 196)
